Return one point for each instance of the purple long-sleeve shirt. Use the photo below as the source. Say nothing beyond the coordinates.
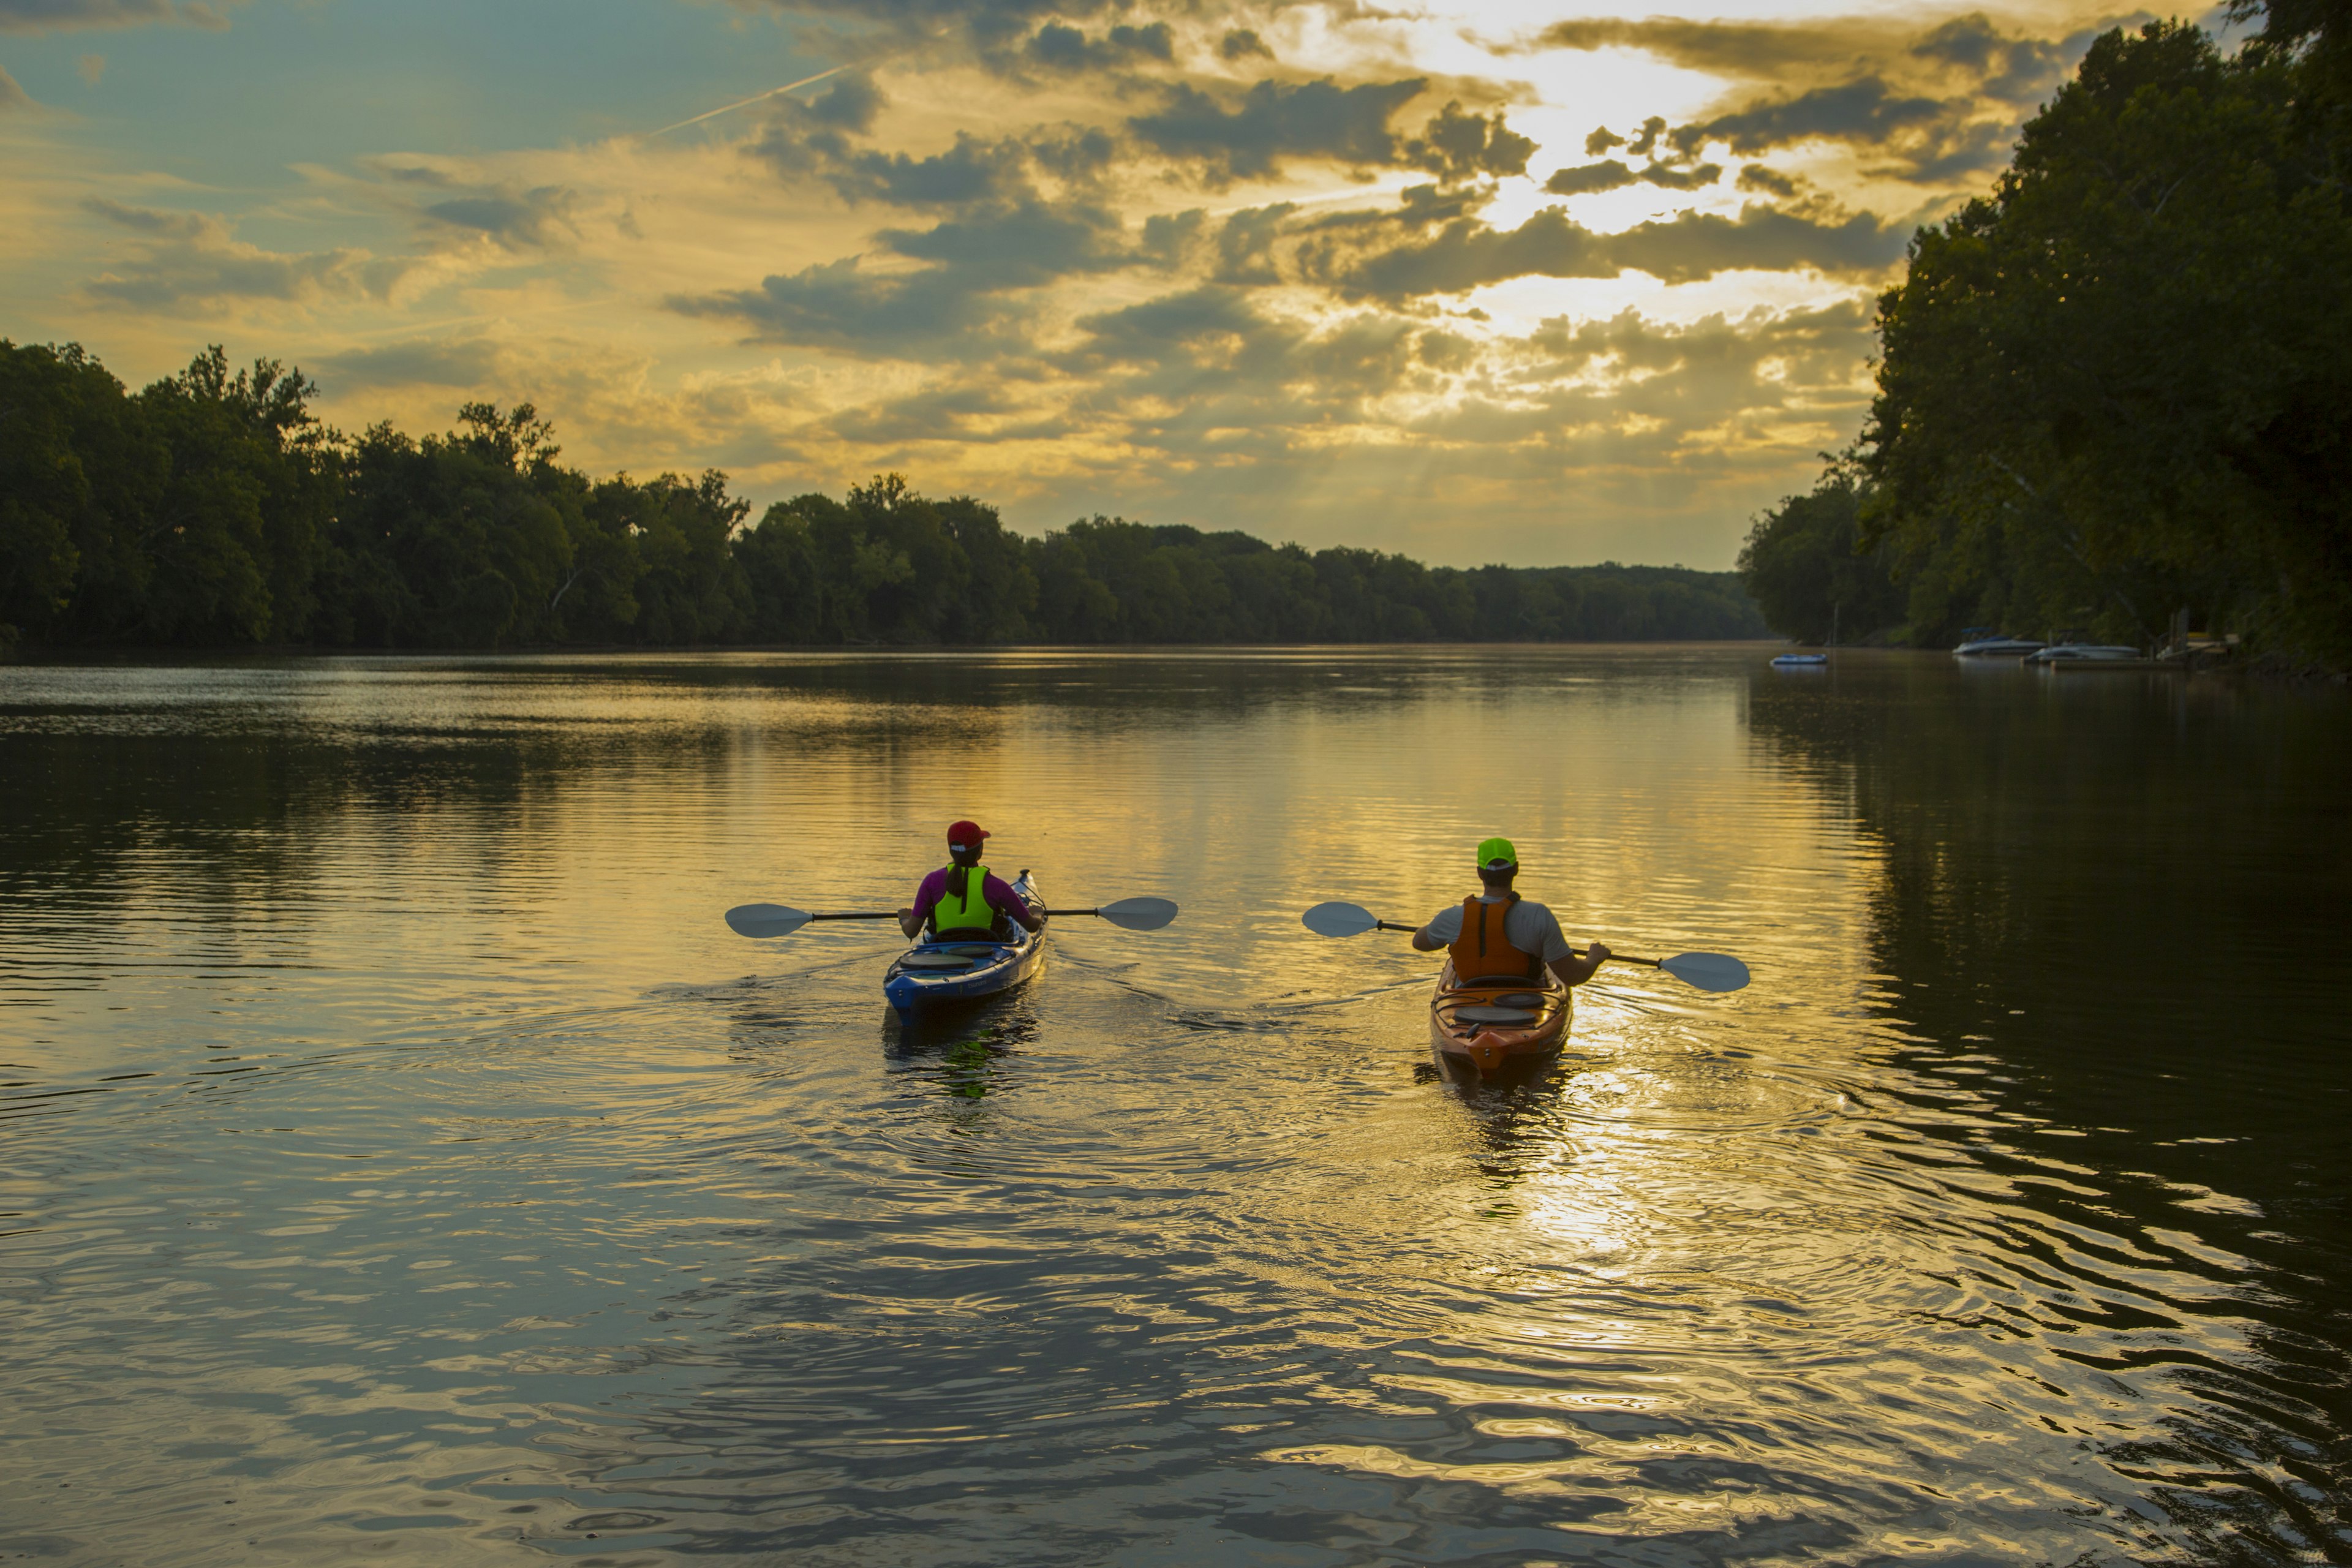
(995, 888)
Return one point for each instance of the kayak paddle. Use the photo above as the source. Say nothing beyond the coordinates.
(1708, 970)
(1347, 919)
(777, 920)
(1134, 914)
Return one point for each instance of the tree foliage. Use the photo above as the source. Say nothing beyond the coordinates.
(2121, 385)
(1804, 567)
(213, 509)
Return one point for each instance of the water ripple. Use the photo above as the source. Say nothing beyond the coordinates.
(401, 1158)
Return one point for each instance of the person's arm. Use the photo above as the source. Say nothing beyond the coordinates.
(910, 920)
(1429, 938)
(1560, 957)
(1010, 905)
(1575, 970)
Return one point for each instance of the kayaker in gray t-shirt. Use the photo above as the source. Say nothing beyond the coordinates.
(1529, 927)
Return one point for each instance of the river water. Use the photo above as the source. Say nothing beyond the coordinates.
(401, 1161)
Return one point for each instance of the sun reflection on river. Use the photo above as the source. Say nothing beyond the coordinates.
(399, 1145)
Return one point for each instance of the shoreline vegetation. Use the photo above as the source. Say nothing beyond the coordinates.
(2114, 403)
(213, 509)
(2116, 395)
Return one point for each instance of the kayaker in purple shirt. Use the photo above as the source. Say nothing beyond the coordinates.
(963, 899)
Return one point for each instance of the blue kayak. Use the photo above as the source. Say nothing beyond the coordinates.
(933, 972)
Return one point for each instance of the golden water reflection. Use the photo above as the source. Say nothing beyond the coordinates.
(394, 1130)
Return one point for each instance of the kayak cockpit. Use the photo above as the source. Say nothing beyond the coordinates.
(1487, 1024)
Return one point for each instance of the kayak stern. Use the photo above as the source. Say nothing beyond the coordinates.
(935, 972)
(1493, 1026)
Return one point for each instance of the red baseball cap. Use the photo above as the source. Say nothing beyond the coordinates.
(966, 833)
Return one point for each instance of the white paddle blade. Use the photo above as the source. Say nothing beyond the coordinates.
(1139, 914)
(1708, 970)
(1340, 919)
(765, 920)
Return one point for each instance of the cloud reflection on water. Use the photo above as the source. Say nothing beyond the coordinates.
(478, 1168)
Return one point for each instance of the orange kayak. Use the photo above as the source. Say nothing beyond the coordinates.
(1493, 1023)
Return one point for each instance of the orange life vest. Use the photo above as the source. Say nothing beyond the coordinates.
(1482, 953)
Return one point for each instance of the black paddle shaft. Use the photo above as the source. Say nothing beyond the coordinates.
(1616, 957)
(860, 915)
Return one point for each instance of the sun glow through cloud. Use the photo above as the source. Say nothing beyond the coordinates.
(1536, 284)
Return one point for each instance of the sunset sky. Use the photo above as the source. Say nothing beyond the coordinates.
(1476, 282)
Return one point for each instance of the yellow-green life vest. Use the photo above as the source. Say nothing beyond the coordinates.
(971, 913)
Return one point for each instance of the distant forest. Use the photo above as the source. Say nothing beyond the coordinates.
(212, 508)
(2120, 387)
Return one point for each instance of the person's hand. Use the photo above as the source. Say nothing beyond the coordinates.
(1597, 954)
(906, 914)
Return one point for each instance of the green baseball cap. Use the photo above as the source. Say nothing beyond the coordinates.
(1493, 854)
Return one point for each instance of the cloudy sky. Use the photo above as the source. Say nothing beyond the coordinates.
(1476, 281)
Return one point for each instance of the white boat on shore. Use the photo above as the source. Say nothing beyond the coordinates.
(2096, 653)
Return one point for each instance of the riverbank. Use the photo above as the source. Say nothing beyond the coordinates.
(212, 510)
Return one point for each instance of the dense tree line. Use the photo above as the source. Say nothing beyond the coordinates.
(2119, 386)
(1806, 567)
(213, 509)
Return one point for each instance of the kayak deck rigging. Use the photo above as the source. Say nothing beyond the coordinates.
(1490, 1024)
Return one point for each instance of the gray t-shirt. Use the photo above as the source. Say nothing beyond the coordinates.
(1531, 928)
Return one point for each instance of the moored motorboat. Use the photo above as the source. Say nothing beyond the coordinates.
(1491, 1024)
(1800, 660)
(2083, 652)
(1998, 647)
(2092, 656)
(962, 970)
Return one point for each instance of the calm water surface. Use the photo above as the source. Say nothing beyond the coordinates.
(400, 1161)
